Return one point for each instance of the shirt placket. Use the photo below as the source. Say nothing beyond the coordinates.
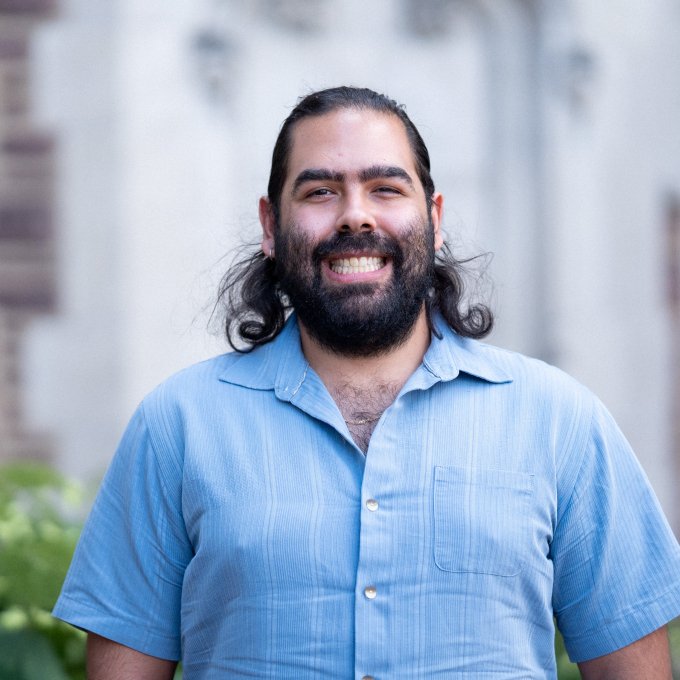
(373, 591)
(377, 583)
(378, 579)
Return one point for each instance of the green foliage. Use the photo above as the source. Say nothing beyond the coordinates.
(39, 529)
(674, 641)
(25, 655)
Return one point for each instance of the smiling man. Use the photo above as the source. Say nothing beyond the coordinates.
(363, 490)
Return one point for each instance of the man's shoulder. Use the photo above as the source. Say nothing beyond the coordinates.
(192, 396)
(519, 367)
(545, 401)
(193, 383)
(200, 374)
(530, 378)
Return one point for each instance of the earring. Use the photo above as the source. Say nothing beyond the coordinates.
(271, 254)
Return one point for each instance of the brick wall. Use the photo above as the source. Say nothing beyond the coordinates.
(27, 280)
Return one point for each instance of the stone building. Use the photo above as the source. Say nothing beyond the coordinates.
(555, 137)
(27, 282)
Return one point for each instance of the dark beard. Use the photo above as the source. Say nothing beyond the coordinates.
(357, 319)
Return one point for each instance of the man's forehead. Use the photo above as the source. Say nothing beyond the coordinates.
(349, 141)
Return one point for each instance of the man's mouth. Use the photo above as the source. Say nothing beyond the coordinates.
(357, 265)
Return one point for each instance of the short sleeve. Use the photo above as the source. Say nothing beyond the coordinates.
(125, 580)
(616, 560)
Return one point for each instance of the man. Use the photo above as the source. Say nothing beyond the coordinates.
(368, 492)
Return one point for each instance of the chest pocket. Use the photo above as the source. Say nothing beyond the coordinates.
(482, 520)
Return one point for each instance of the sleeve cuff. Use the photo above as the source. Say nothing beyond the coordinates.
(641, 621)
(128, 633)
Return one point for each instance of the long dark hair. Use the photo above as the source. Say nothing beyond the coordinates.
(253, 306)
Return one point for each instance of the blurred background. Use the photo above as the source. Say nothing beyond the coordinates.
(135, 140)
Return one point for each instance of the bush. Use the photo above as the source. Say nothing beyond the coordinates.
(39, 530)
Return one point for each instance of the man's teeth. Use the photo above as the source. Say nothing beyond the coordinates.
(357, 265)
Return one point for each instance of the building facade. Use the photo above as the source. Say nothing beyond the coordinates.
(27, 281)
(554, 136)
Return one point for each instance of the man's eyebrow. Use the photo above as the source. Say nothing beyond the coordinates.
(317, 175)
(385, 171)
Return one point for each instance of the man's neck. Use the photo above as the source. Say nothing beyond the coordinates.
(363, 387)
(393, 367)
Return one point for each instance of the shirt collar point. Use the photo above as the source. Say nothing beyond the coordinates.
(247, 371)
(453, 354)
(264, 367)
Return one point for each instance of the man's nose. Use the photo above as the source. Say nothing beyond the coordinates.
(356, 214)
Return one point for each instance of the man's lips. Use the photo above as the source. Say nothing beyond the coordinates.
(356, 264)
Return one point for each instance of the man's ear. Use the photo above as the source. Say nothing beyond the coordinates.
(267, 221)
(437, 214)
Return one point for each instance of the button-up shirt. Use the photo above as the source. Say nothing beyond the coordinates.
(240, 528)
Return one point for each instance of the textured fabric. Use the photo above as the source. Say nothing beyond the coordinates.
(232, 530)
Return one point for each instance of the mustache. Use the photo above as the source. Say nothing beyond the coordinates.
(366, 241)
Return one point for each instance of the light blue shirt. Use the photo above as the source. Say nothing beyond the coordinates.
(233, 528)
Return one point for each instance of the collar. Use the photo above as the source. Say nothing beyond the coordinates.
(451, 354)
(281, 366)
(278, 365)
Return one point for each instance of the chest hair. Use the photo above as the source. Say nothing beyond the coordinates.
(362, 403)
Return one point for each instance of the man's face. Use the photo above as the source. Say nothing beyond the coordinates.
(352, 192)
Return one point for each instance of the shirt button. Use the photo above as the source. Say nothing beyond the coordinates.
(367, 677)
(370, 592)
(372, 504)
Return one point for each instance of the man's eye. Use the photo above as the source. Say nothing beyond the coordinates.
(320, 192)
(388, 190)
